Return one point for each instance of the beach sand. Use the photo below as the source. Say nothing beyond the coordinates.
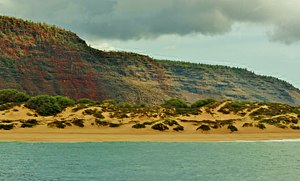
(42, 134)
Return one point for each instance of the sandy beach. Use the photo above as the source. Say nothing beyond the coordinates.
(123, 135)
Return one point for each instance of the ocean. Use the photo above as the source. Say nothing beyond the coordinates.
(150, 161)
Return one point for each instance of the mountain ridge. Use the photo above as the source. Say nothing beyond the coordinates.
(43, 59)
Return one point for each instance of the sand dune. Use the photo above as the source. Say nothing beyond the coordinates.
(91, 132)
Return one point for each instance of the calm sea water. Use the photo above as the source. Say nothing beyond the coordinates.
(150, 161)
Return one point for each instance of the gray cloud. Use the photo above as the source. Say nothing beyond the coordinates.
(136, 19)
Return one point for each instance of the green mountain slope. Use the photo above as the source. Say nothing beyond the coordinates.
(39, 58)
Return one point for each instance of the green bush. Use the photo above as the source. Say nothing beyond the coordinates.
(203, 127)
(6, 126)
(125, 105)
(7, 106)
(138, 126)
(114, 125)
(110, 101)
(85, 101)
(99, 115)
(295, 127)
(160, 127)
(6, 121)
(44, 105)
(178, 128)
(247, 125)
(57, 124)
(187, 111)
(170, 122)
(148, 123)
(64, 102)
(281, 126)
(93, 112)
(79, 107)
(175, 103)
(226, 122)
(29, 123)
(232, 128)
(101, 123)
(88, 112)
(201, 103)
(215, 126)
(11, 95)
(261, 126)
(78, 122)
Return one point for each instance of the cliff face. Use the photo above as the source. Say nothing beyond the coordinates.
(38, 58)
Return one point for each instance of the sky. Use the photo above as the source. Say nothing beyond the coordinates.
(260, 35)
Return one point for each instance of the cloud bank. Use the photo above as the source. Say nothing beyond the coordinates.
(144, 19)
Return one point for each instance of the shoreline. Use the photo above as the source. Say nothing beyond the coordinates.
(91, 135)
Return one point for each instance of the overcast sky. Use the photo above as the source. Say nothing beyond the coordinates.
(261, 35)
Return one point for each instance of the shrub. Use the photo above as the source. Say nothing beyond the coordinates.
(114, 125)
(94, 112)
(29, 123)
(175, 103)
(98, 114)
(232, 128)
(6, 106)
(64, 102)
(261, 126)
(85, 101)
(101, 123)
(44, 105)
(160, 127)
(238, 107)
(6, 126)
(295, 121)
(121, 115)
(6, 121)
(148, 123)
(88, 112)
(57, 124)
(125, 105)
(11, 95)
(295, 127)
(170, 122)
(79, 107)
(187, 111)
(203, 127)
(281, 126)
(227, 122)
(201, 103)
(247, 125)
(178, 128)
(110, 101)
(138, 126)
(78, 122)
(224, 111)
(215, 126)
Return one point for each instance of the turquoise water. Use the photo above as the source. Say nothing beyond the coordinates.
(150, 161)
